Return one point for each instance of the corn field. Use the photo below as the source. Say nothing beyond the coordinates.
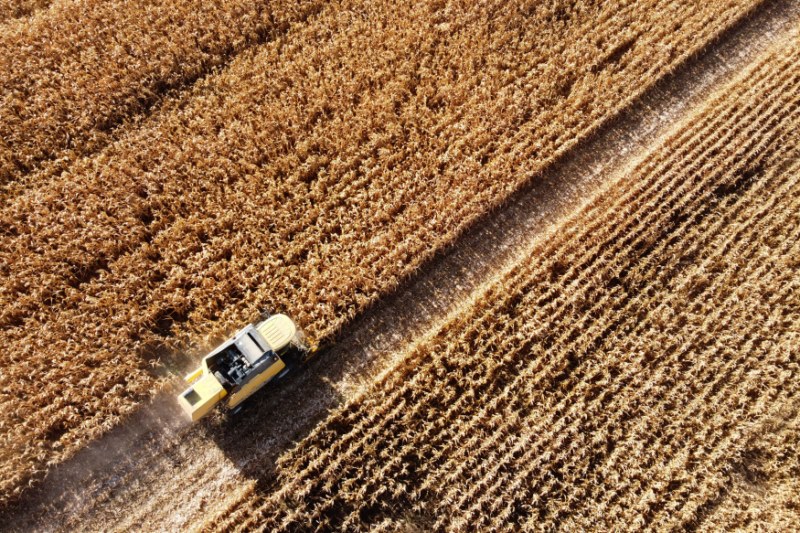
(635, 369)
(170, 169)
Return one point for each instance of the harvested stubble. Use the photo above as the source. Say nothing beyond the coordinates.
(638, 369)
(311, 175)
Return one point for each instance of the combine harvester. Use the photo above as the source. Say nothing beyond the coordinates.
(255, 356)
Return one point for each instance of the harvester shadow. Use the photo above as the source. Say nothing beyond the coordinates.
(274, 418)
(285, 413)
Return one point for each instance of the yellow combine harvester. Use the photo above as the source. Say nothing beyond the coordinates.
(243, 364)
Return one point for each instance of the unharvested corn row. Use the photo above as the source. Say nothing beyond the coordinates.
(13, 9)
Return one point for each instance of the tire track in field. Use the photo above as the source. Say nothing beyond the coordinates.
(134, 472)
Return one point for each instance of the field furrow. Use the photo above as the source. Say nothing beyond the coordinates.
(763, 486)
(611, 252)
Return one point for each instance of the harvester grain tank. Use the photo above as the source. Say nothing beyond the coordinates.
(235, 370)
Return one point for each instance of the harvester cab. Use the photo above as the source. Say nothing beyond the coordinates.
(240, 366)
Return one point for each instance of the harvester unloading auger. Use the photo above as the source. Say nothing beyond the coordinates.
(256, 355)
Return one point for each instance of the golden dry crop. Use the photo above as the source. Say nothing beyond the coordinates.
(13, 9)
(169, 169)
(638, 369)
(81, 74)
